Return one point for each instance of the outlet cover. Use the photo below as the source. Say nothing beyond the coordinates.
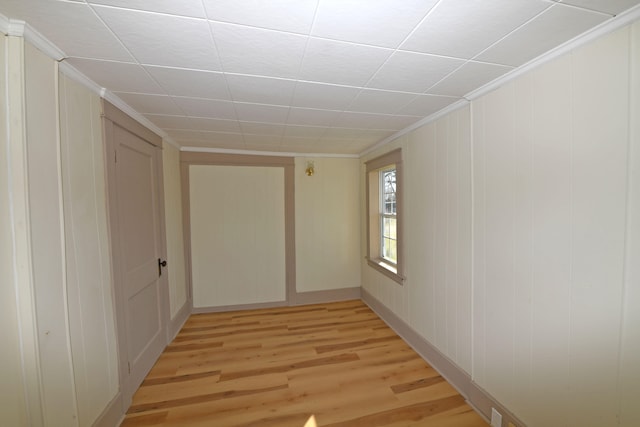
(496, 418)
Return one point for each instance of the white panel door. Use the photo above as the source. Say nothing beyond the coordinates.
(139, 251)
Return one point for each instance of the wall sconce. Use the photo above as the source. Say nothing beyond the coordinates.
(310, 170)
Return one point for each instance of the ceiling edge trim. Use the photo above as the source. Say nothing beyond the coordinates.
(21, 28)
(267, 153)
(601, 30)
(431, 118)
(115, 100)
(73, 73)
(4, 24)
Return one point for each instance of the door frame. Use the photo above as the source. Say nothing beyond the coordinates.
(188, 158)
(111, 117)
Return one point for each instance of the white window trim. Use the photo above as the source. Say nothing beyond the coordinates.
(374, 258)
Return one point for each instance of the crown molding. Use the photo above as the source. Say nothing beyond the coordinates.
(601, 30)
(4, 24)
(73, 73)
(431, 118)
(596, 32)
(18, 28)
(267, 153)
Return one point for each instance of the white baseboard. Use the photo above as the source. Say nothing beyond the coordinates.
(112, 415)
(478, 398)
(178, 320)
(331, 295)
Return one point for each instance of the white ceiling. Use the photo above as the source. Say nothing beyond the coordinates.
(304, 76)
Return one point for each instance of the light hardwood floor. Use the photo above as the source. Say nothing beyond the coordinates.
(277, 367)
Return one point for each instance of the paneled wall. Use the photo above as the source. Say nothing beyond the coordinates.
(12, 393)
(435, 298)
(522, 238)
(551, 183)
(629, 375)
(327, 224)
(89, 281)
(173, 219)
(237, 235)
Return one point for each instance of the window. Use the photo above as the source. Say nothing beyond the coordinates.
(388, 216)
(384, 189)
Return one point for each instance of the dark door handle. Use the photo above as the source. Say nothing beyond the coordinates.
(161, 263)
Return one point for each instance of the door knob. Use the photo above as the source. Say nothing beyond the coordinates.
(161, 263)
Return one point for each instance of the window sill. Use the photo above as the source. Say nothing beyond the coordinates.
(387, 269)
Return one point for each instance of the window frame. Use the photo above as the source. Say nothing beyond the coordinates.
(374, 168)
(383, 215)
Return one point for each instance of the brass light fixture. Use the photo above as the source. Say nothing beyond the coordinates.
(310, 170)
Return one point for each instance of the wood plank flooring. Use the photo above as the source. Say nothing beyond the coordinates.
(337, 362)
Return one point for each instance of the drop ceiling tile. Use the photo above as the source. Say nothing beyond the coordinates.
(117, 76)
(380, 101)
(284, 15)
(469, 77)
(397, 122)
(311, 117)
(413, 72)
(261, 113)
(323, 96)
(341, 63)
(304, 131)
(195, 135)
(261, 90)
(342, 146)
(208, 108)
(349, 119)
(169, 122)
(221, 141)
(555, 26)
(72, 27)
(299, 145)
(150, 104)
(216, 125)
(194, 123)
(262, 128)
(192, 8)
(268, 141)
(152, 38)
(613, 7)
(464, 28)
(191, 83)
(425, 105)
(379, 23)
(258, 52)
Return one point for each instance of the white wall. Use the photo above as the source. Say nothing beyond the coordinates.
(89, 281)
(629, 375)
(550, 175)
(237, 235)
(435, 298)
(555, 283)
(174, 232)
(12, 393)
(46, 237)
(327, 224)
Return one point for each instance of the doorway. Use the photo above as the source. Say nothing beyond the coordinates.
(136, 217)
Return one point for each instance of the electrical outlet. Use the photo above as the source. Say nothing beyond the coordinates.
(496, 418)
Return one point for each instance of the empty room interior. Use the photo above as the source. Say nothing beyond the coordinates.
(320, 213)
